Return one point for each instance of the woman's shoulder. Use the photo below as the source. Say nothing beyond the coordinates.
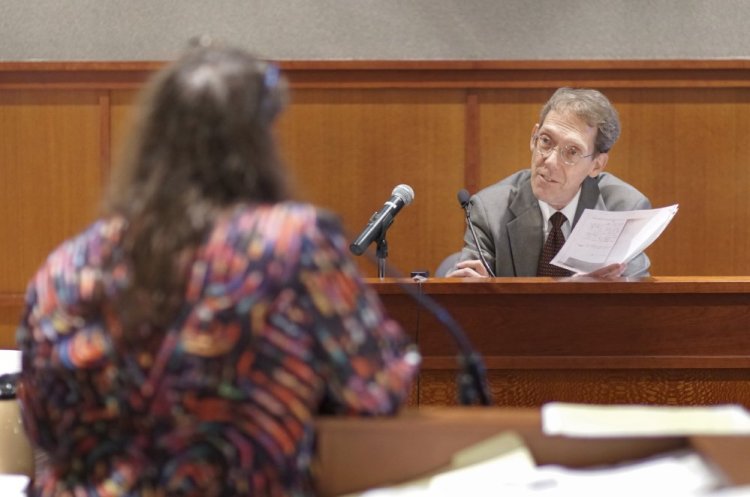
(280, 228)
(281, 219)
(93, 245)
(74, 268)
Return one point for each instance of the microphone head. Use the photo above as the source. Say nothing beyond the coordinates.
(463, 197)
(404, 192)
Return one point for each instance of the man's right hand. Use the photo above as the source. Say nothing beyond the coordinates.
(468, 269)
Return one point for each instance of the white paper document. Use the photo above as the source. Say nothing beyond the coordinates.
(10, 361)
(601, 238)
(583, 420)
(676, 474)
(489, 468)
(13, 485)
(511, 472)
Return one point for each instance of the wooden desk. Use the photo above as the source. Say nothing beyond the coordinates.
(675, 340)
(354, 453)
(357, 453)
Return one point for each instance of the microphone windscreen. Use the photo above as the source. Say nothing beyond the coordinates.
(404, 192)
(463, 197)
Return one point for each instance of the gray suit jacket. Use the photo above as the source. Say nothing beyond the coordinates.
(508, 221)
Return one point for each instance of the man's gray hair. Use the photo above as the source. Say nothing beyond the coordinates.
(592, 107)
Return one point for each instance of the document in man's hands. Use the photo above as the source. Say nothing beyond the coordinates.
(601, 238)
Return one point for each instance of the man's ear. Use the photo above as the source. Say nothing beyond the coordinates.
(533, 132)
(600, 162)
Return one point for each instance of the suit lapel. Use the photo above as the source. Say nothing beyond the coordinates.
(525, 232)
(589, 197)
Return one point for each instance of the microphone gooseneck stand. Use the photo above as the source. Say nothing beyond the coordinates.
(472, 376)
(381, 252)
(464, 200)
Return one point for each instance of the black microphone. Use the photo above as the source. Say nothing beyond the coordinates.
(380, 221)
(464, 200)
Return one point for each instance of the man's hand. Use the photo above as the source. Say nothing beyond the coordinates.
(611, 272)
(475, 269)
(468, 269)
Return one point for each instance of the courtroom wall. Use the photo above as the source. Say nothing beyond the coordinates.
(355, 130)
(678, 70)
(379, 29)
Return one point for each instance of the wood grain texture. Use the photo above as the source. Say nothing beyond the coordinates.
(355, 129)
(10, 315)
(532, 388)
(515, 74)
(349, 149)
(122, 117)
(50, 180)
(676, 341)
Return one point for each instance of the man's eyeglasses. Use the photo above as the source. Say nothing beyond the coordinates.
(570, 154)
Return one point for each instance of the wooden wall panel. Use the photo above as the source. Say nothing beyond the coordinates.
(348, 149)
(355, 129)
(684, 146)
(121, 119)
(526, 388)
(49, 183)
(506, 118)
(50, 175)
(10, 314)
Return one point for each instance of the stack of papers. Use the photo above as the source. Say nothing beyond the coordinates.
(13, 485)
(503, 466)
(513, 473)
(581, 420)
(601, 238)
(10, 361)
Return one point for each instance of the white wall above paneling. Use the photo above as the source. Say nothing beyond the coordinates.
(378, 29)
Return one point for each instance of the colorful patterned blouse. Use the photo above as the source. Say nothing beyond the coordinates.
(276, 325)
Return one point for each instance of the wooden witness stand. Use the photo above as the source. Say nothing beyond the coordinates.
(667, 340)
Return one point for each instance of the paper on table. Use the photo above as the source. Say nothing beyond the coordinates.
(481, 468)
(674, 474)
(743, 491)
(507, 446)
(601, 238)
(13, 485)
(580, 420)
(10, 361)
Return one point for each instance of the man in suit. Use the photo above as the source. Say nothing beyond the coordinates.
(569, 151)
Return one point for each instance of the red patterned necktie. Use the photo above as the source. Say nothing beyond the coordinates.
(555, 241)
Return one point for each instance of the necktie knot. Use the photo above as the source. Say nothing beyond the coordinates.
(555, 241)
(557, 219)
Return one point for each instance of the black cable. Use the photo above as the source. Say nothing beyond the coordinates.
(472, 377)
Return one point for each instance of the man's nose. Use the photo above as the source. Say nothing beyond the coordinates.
(553, 157)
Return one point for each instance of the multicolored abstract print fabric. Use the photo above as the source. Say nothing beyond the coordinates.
(276, 325)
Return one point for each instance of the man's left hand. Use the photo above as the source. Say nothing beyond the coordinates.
(611, 272)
